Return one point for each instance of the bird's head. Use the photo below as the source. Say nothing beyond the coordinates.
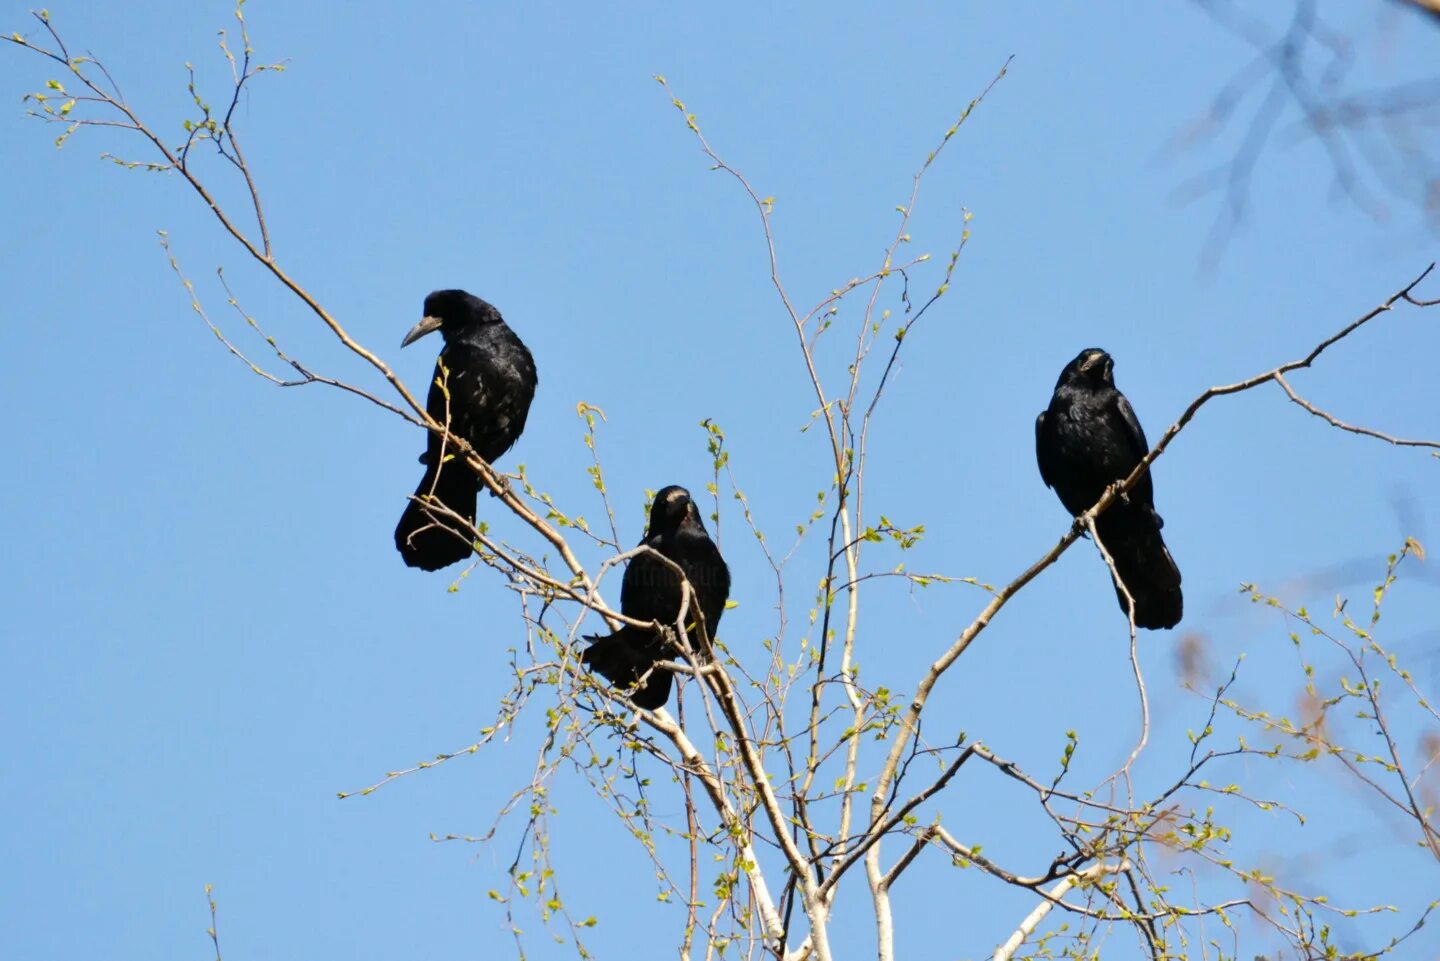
(1092, 366)
(672, 510)
(451, 311)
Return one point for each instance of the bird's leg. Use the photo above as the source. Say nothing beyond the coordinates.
(1122, 496)
(1077, 527)
(502, 485)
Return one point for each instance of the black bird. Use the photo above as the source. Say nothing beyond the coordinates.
(650, 591)
(490, 377)
(1087, 440)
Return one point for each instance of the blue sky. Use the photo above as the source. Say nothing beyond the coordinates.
(208, 633)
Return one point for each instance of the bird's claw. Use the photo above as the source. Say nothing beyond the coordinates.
(502, 486)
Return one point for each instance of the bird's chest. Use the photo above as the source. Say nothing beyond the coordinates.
(656, 585)
(471, 372)
(1088, 444)
(475, 385)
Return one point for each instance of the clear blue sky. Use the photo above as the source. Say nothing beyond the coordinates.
(207, 632)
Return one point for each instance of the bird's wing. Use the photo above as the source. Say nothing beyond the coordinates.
(644, 588)
(1133, 431)
(467, 398)
(630, 583)
(496, 383)
(1040, 450)
(1133, 436)
(717, 592)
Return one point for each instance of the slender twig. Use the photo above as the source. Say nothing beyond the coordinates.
(1334, 421)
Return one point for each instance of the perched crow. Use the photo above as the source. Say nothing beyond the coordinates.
(1087, 440)
(490, 378)
(651, 592)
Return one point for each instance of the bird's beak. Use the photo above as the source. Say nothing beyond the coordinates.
(426, 325)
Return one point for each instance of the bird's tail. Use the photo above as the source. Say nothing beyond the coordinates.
(621, 658)
(1144, 563)
(431, 541)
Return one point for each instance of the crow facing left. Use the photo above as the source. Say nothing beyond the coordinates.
(650, 591)
(490, 380)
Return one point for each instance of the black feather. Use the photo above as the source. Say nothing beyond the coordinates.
(651, 591)
(489, 377)
(1088, 439)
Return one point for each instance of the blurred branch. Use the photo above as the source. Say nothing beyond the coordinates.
(1428, 7)
(1301, 69)
(1386, 775)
